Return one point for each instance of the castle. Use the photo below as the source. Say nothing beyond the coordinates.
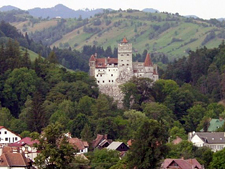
(112, 72)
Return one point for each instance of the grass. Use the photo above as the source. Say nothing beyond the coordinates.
(110, 35)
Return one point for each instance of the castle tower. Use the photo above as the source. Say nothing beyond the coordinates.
(125, 55)
(92, 65)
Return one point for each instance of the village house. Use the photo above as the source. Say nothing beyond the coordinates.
(213, 140)
(11, 158)
(119, 146)
(214, 125)
(80, 145)
(7, 136)
(181, 164)
(101, 141)
(26, 146)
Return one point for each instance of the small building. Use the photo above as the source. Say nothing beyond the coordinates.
(213, 140)
(119, 146)
(7, 136)
(80, 145)
(177, 140)
(214, 125)
(13, 159)
(101, 141)
(181, 164)
(26, 146)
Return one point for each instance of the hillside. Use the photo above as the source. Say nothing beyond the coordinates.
(166, 33)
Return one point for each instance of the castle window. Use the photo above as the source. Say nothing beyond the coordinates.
(122, 64)
(96, 75)
(109, 80)
(111, 74)
(127, 64)
(98, 81)
(101, 75)
(109, 70)
(103, 81)
(6, 139)
(127, 54)
(121, 54)
(16, 138)
(128, 60)
(5, 132)
(98, 70)
(121, 60)
(112, 80)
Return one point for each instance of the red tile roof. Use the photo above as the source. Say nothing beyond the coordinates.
(98, 139)
(13, 160)
(78, 143)
(148, 61)
(112, 60)
(183, 164)
(22, 142)
(101, 62)
(124, 40)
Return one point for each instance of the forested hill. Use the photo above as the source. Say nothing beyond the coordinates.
(204, 69)
(171, 34)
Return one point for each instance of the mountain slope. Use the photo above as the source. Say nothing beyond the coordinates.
(171, 34)
(63, 12)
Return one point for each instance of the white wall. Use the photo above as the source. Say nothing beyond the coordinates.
(197, 141)
(7, 136)
(106, 76)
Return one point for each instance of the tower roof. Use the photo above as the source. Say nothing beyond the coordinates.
(148, 61)
(92, 58)
(124, 40)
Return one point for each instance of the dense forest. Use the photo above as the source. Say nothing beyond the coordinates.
(36, 94)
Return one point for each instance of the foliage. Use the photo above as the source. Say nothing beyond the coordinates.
(149, 146)
(104, 158)
(218, 160)
(55, 151)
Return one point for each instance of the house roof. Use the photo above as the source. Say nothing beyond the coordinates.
(148, 61)
(211, 137)
(177, 140)
(114, 145)
(183, 164)
(22, 142)
(13, 160)
(215, 124)
(78, 143)
(98, 139)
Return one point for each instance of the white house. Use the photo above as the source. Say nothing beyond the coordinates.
(26, 146)
(213, 140)
(7, 136)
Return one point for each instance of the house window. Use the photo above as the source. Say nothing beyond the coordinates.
(6, 139)
(5, 132)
